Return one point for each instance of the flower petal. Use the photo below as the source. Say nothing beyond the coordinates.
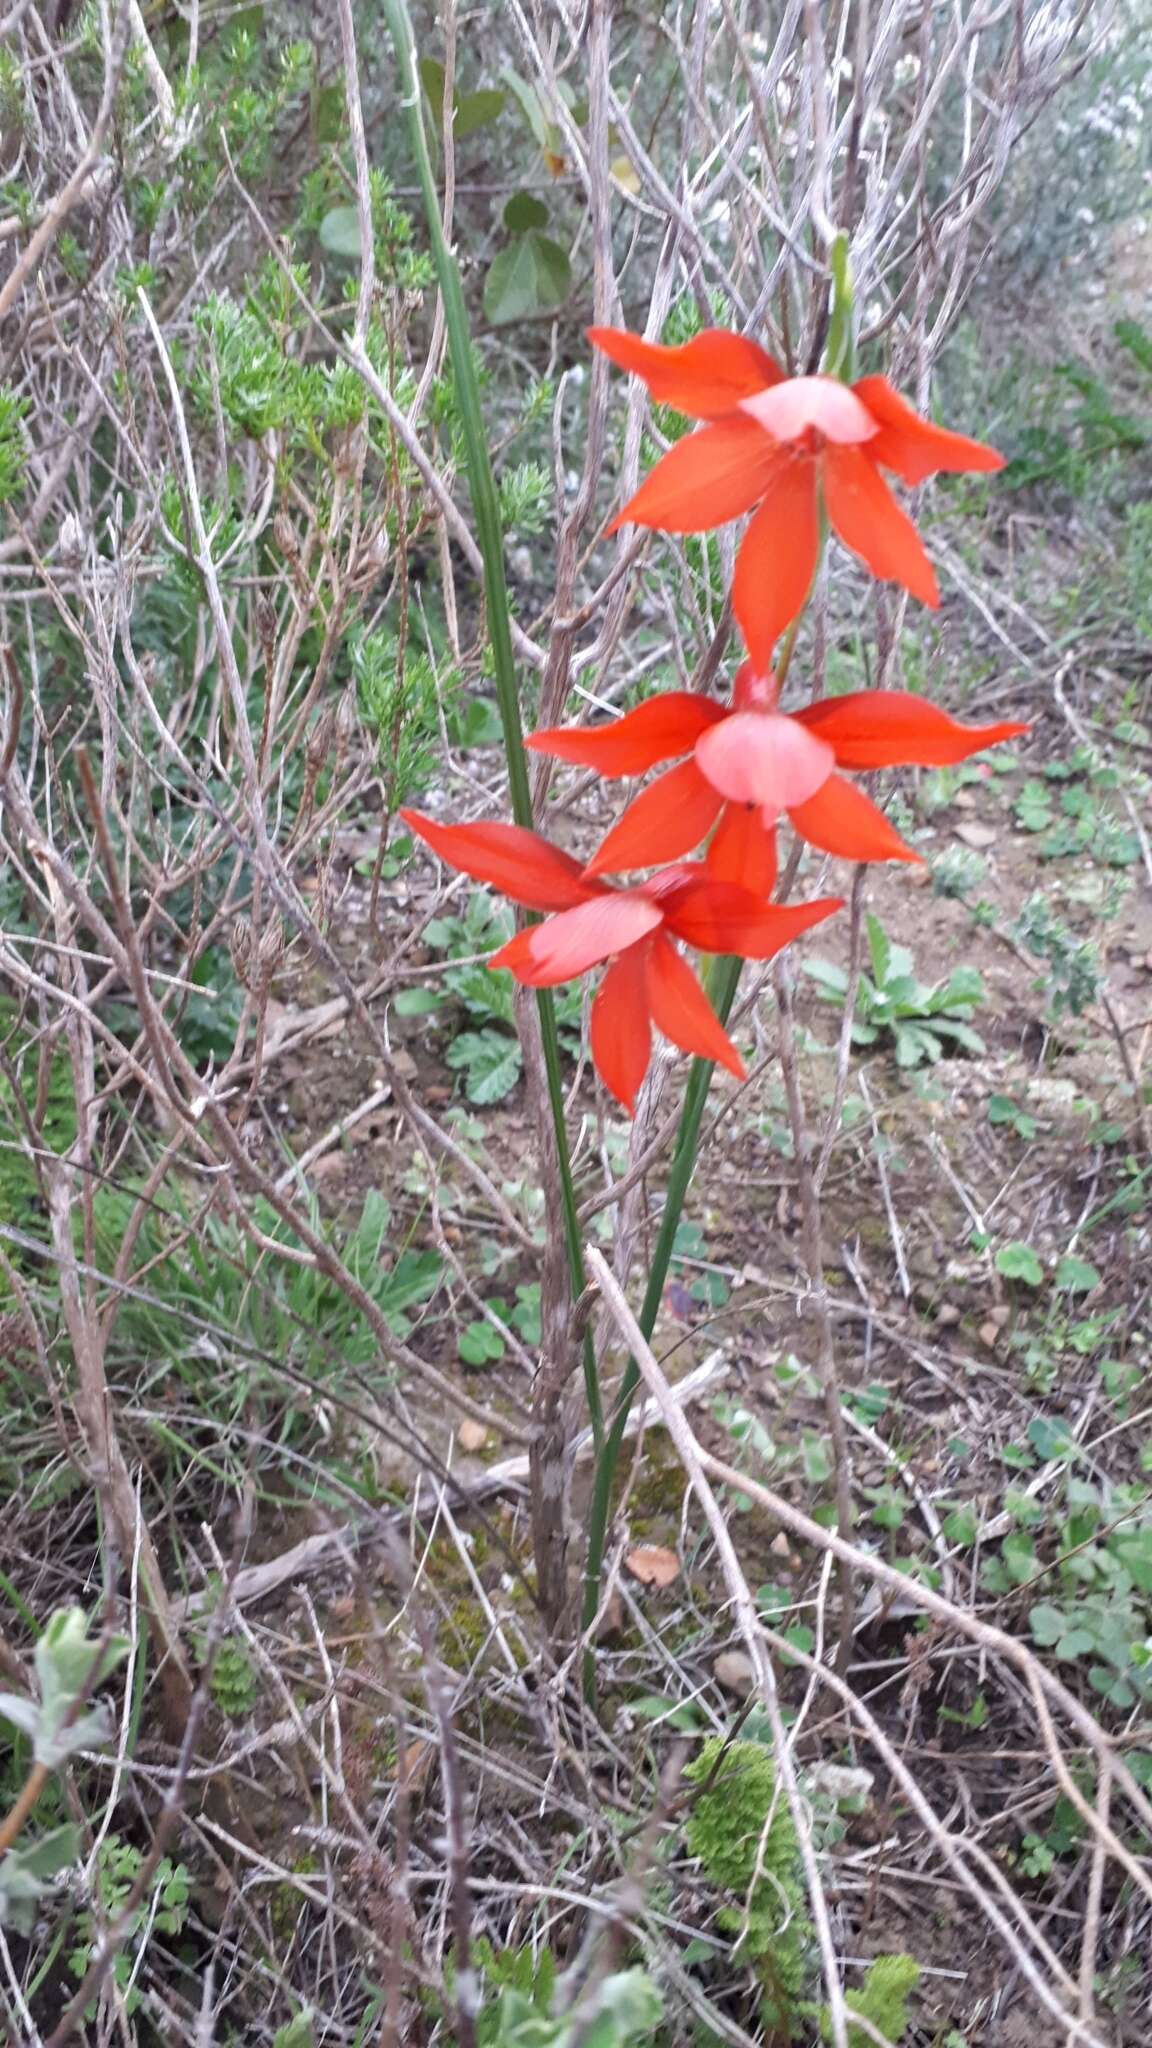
(914, 447)
(705, 378)
(800, 404)
(709, 477)
(564, 946)
(777, 558)
(520, 864)
(870, 522)
(681, 1010)
(666, 821)
(621, 1034)
(719, 917)
(657, 730)
(762, 757)
(894, 729)
(840, 819)
(743, 850)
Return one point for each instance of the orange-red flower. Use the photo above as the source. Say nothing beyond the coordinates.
(786, 444)
(749, 762)
(648, 984)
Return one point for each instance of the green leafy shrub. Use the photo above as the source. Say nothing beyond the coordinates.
(742, 1831)
(12, 412)
(882, 2000)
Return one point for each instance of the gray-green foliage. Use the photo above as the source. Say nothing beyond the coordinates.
(70, 1665)
(28, 1872)
(1074, 966)
(742, 1831)
(921, 1020)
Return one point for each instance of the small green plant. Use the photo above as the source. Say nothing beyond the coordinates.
(1091, 1601)
(741, 1830)
(532, 274)
(1074, 968)
(163, 1910)
(489, 1057)
(398, 703)
(481, 1343)
(623, 2010)
(1018, 1261)
(1039, 1853)
(959, 872)
(70, 1665)
(1084, 425)
(298, 2032)
(882, 2000)
(1004, 1111)
(1069, 810)
(921, 1021)
(37, 1109)
(234, 1686)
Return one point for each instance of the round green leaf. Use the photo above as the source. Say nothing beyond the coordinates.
(340, 232)
(525, 211)
(1019, 1262)
(1047, 1625)
(480, 1344)
(1076, 1276)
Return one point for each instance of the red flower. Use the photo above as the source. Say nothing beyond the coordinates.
(785, 444)
(750, 762)
(648, 983)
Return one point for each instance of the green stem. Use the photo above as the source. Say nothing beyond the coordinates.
(722, 989)
(486, 511)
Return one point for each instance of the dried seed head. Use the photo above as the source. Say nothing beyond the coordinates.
(319, 741)
(15, 1338)
(265, 618)
(348, 448)
(270, 949)
(284, 534)
(240, 947)
(374, 553)
(71, 541)
(345, 724)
